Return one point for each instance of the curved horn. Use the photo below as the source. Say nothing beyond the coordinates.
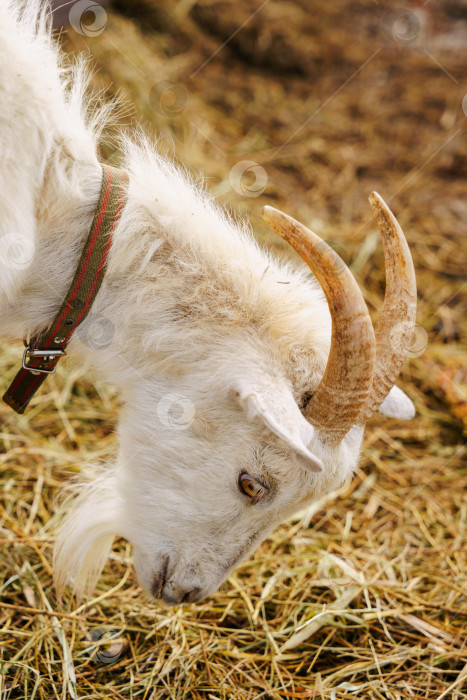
(396, 321)
(343, 391)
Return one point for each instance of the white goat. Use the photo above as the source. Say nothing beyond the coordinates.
(202, 321)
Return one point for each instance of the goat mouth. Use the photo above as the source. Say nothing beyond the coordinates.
(160, 578)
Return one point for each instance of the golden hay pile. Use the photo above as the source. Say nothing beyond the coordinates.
(363, 596)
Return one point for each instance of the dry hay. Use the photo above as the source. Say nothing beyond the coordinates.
(364, 595)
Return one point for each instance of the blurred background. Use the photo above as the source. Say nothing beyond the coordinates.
(308, 106)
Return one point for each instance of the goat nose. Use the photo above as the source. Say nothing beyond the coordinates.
(178, 594)
(191, 596)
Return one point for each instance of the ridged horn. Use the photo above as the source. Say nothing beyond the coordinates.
(395, 324)
(344, 387)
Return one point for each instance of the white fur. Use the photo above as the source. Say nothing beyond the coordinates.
(397, 405)
(211, 355)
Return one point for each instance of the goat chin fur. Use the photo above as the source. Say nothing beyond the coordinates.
(195, 307)
(91, 515)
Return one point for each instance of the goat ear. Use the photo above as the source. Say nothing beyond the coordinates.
(397, 405)
(271, 400)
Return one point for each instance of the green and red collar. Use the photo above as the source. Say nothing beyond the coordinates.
(43, 352)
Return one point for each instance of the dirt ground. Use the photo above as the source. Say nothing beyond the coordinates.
(308, 106)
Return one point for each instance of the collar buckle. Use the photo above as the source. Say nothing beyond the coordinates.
(48, 355)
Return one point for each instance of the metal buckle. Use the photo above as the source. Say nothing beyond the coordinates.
(49, 354)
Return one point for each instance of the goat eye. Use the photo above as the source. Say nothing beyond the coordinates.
(251, 488)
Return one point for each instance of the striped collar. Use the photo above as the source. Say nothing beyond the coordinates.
(43, 352)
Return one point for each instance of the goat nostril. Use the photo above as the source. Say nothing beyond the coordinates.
(160, 578)
(156, 587)
(190, 596)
